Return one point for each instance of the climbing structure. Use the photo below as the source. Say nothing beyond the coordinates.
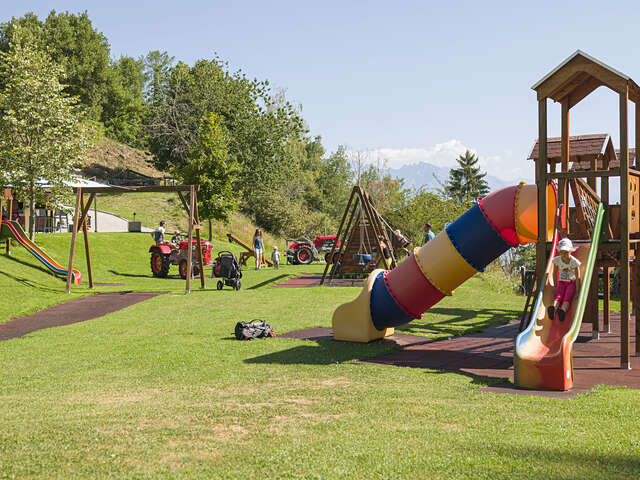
(365, 240)
(586, 165)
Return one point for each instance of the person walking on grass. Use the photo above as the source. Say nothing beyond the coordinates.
(258, 248)
(275, 257)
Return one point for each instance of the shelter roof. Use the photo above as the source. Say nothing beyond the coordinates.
(581, 74)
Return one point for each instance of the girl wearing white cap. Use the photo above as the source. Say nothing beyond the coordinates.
(567, 268)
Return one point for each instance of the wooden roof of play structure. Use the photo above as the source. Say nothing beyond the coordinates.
(581, 74)
(582, 147)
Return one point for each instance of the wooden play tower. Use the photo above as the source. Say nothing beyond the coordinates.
(581, 161)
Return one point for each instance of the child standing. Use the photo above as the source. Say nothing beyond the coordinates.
(275, 257)
(258, 248)
(568, 268)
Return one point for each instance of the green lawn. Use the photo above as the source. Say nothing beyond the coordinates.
(162, 390)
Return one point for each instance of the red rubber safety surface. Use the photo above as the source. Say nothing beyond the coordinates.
(499, 208)
(410, 289)
(73, 311)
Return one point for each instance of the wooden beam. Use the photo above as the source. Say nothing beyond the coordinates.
(614, 172)
(625, 361)
(541, 182)
(198, 243)
(74, 234)
(184, 203)
(583, 91)
(606, 297)
(592, 304)
(604, 187)
(115, 190)
(333, 248)
(85, 233)
(190, 245)
(635, 300)
(564, 158)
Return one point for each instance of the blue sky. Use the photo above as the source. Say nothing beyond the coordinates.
(416, 80)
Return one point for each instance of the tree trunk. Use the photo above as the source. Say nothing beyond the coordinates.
(210, 232)
(32, 213)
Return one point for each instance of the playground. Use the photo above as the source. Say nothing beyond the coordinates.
(113, 371)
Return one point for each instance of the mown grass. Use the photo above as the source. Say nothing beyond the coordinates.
(162, 390)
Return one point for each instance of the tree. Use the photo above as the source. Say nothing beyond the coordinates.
(466, 183)
(210, 167)
(156, 67)
(41, 136)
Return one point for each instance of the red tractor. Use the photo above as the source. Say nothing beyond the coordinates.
(303, 252)
(166, 254)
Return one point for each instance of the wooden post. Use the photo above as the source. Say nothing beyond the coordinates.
(604, 187)
(606, 296)
(625, 362)
(335, 243)
(541, 182)
(198, 245)
(72, 248)
(190, 245)
(564, 157)
(85, 234)
(592, 303)
(635, 285)
(636, 297)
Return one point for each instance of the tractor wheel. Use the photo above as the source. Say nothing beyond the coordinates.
(304, 255)
(219, 285)
(238, 285)
(182, 267)
(160, 264)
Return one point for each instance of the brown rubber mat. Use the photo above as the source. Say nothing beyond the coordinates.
(302, 281)
(73, 311)
(490, 354)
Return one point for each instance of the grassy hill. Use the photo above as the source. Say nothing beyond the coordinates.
(109, 157)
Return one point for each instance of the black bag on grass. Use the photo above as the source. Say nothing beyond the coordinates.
(256, 328)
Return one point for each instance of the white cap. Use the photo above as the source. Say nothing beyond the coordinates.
(565, 245)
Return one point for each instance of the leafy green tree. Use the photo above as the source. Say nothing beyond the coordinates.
(259, 133)
(157, 67)
(41, 136)
(466, 183)
(124, 109)
(210, 166)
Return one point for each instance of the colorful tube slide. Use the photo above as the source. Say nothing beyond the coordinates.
(542, 357)
(505, 218)
(12, 229)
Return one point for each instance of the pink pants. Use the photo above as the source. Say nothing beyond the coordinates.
(565, 291)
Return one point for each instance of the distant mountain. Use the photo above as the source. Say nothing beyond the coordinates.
(424, 174)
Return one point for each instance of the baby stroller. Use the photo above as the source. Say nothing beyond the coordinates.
(226, 267)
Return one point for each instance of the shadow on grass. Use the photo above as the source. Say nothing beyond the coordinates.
(31, 284)
(268, 281)
(30, 265)
(323, 352)
(460, 321)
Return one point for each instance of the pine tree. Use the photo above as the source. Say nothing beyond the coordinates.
(41, 135)
(466, 183)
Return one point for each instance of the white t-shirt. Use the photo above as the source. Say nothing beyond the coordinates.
(159, 234)
(567, 272)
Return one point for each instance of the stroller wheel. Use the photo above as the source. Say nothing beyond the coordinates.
(219, 285)
(238, 285)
